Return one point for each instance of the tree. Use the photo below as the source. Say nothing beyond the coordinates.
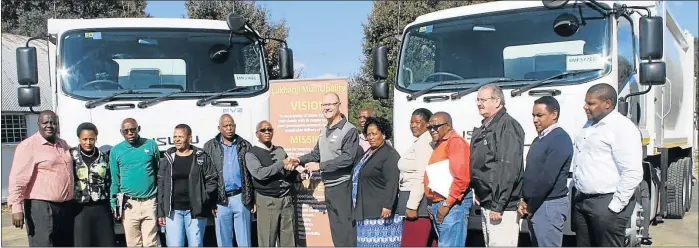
(387, 18)
(29, 17)
(258, 17)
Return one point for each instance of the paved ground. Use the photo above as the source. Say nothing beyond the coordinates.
(684, 232)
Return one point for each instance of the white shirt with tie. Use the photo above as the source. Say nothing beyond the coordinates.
(608, 158)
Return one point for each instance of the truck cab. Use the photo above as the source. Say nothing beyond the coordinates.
(161, 72)
(555, 48)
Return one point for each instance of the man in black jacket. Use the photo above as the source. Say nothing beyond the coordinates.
(273, 177)
(497, 167)
(186, 190)
(235, 190)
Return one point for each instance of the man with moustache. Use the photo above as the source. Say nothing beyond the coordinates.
(450, 212)
(545, 182)
(134, 167)
(334, 156)
(497, 149)
(607, 168)
(235, 190)
(40, 185)
(273, 178)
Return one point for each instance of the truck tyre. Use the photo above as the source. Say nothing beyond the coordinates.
(676, 184)
(688, 164)
(633, 231)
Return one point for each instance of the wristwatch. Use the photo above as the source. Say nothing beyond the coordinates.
(445, 204)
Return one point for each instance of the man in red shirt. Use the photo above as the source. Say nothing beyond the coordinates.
(41, 186)
(450, 212)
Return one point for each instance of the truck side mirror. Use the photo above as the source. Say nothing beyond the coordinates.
(652, 73)
(285, 57)
(380, 62)
(379, 59)
(651, 37)
(380, 90)
(27, 73)
(28, 96)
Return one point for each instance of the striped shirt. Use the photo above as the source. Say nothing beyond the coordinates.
(40, 171)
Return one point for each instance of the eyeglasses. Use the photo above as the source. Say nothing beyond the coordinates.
(329, 104)
(482, 100)
(266, 130)
(435, 127)
(132, 130)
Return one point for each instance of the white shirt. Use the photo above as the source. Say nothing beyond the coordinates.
(607, 158)
(412, 169)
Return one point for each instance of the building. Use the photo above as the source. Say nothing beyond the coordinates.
(17, 122)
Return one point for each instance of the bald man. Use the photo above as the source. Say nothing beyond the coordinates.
(134, 167)
(334, 155)
(273, 177)
(235, 190)
(41, 185)
(364, 114)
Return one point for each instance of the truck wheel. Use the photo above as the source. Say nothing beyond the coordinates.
(688, 164)
(633, 232)
(676, 183)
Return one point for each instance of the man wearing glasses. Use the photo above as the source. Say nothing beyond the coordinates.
(134, 166)
(334, 155)
(497, 163)
(273, 177)
(449, 209)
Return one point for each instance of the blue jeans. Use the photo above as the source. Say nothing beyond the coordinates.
(546, 225)
(235, 215)
(452, 231)
(180, 223)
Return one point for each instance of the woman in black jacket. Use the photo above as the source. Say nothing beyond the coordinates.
(375, 189)
(94, 222)
(187, 184)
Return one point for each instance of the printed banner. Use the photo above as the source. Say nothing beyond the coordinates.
(297, 118)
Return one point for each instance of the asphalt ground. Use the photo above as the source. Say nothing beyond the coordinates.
(684, 232)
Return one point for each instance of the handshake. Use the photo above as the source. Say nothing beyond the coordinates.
(293, 163)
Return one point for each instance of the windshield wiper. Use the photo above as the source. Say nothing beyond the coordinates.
(428, 89)
(518, 92)
(205, 101)
(148, 103)
(94, 103)
(462, 93)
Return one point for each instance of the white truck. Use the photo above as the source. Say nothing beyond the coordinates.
(560, 49)
(162, 72)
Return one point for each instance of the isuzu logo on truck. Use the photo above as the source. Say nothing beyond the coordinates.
(161, 141)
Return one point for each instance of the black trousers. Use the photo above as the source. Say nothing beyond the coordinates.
(338, 201)
(49, 223)
(595, 225)
(94, 224)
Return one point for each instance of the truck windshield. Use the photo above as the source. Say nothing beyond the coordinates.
(98, 63)
(519, 44)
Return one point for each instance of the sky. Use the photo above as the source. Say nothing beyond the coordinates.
(328, 43)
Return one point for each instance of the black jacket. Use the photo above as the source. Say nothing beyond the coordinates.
(202, 184)
(377, 187)
(215, 151)
(497, 162)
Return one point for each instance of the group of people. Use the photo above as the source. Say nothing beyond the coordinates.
(374, 195)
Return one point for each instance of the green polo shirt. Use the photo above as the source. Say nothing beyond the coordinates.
(134, 169)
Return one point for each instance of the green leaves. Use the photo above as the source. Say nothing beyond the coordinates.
(258, 17)
(29, 17)
(386, 18)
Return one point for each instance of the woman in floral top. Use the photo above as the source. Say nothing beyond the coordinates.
(94, 224)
